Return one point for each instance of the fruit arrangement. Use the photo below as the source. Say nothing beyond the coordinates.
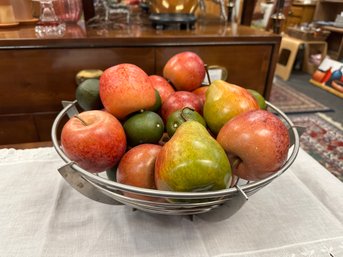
(169, 132)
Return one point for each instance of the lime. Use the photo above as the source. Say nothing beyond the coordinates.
(87, 74)
(87, 95)
(144, 127)
(158, 102)
(111, 173)
(259, 98)
(180, 116)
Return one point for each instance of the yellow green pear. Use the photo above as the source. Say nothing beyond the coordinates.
(192, 161)
(225, 101)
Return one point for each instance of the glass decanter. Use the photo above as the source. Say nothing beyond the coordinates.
(49, 25)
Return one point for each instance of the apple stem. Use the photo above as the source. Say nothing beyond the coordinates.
(171, 83)
(208, 74)
(82, 121)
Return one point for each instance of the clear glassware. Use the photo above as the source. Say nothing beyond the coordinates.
(68, 10)
(110, 14)
(49, 24)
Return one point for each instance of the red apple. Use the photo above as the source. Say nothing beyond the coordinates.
(162, 86)
(136, 168)
(125, 88)
(185, 70)
(180, 100)
(201, 92)
(95, 140)
(256, 142)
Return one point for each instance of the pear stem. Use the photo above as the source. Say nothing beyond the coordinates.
(82, 121)
(207, 74)
(235, 162)
(183, 115)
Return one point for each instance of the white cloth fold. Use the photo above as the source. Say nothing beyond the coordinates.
(298, 214)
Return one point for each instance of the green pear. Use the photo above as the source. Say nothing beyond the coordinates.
(225, 101)
(192, 161)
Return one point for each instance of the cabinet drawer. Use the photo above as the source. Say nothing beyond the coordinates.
(24, 128)
(16, 129)
(295, 11)
(43, 123)
(292, 21)
(38, 80)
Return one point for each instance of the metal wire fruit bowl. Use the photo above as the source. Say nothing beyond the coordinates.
(212, 205)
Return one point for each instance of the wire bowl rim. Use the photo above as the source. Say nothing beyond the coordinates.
(109, 184)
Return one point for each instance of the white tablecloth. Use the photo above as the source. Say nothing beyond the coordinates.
(298, 214)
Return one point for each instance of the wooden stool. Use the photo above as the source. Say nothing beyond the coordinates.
(288, 51)
(311, 47)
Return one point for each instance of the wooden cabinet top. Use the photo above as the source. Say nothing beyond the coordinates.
(80, 36)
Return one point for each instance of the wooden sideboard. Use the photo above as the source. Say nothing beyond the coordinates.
(327, 10)
(299, 13)
(38, 73)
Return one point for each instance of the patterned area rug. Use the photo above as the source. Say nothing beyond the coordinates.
(290, 100)
(323, 140)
